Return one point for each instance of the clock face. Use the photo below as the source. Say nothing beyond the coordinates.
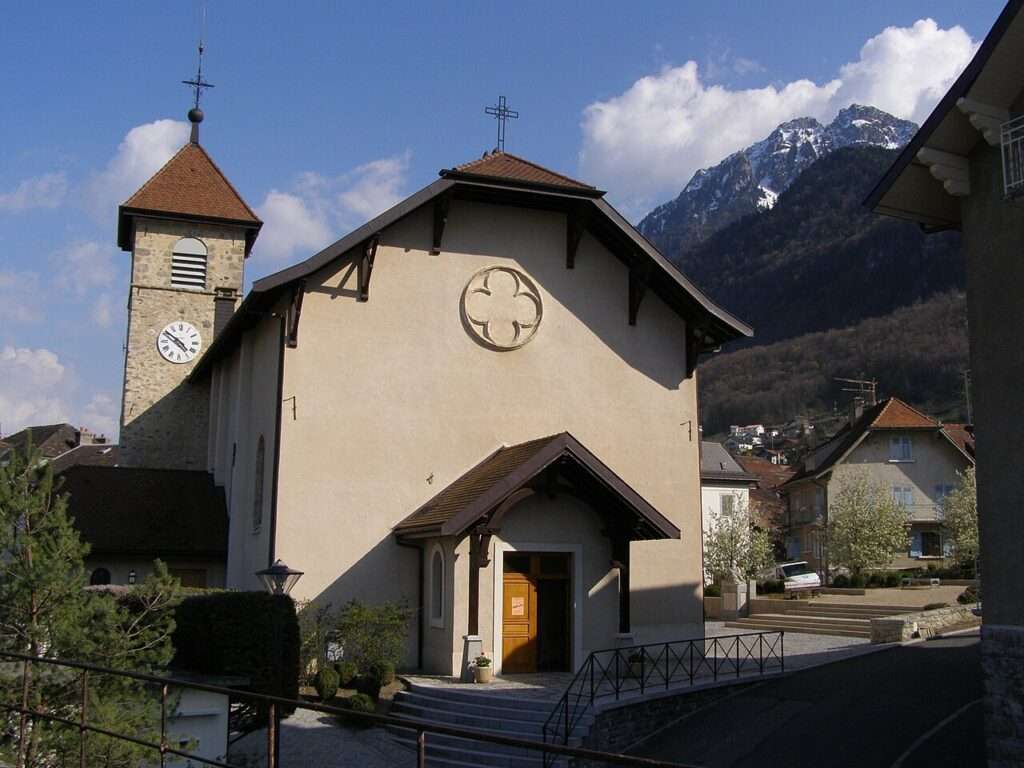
(179, 342)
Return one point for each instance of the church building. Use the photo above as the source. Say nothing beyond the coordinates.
(483, 402)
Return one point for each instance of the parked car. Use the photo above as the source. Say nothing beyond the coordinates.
(797, 575)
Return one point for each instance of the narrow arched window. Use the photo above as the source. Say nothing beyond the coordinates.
(257, 494)
(188, 264)
(437, 588)
(99, 577)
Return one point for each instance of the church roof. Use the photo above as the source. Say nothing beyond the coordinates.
(481, 490)
(149, 512)
(190, 185)
(508, 167)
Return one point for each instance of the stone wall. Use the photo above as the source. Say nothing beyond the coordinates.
(164, 420)
(897, 629)
(712, 607)
(621, 725)
(1002, 660)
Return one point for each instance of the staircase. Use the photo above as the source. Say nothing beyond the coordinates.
(506, 713)
(820, 618)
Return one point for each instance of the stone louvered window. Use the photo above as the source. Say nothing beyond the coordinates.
(188, 264)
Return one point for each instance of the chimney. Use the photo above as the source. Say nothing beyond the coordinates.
(856, 409)
(88, 437)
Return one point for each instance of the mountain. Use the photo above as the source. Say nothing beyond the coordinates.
(819, 260)
(917, 353)
(752, 179)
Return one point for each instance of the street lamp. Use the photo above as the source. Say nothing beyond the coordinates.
(279, 578)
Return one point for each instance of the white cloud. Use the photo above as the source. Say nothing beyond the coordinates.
(308, 217)
(646, 143)
(40, 389)
(84, 266)
(33, 391)
(103, 311)
(46, 191)
(144, 149)
(19, 298)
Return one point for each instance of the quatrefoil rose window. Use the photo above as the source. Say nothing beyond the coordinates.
(501, 307)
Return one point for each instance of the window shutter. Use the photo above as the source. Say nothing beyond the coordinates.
(915, 544)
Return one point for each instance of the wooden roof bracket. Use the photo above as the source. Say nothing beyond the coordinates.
(638, 278)
(365, 267)
(294, 313)
(692, 350)
(574, 228)
(441, 205)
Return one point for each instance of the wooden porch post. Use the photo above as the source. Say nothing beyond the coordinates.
(474, 585)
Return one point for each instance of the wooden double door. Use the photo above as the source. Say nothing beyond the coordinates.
(536, 629)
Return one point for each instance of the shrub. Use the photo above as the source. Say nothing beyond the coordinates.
(892, 579)
(842, 581)
(383, 673)
(368, 685)
(250, 634)
(482, 661)
(857, 581)
(326, 683)
(771, 587)
(713, 590)
(373, 634)
(933, 606)
(347, 672)
(968, 596)
(361, 703)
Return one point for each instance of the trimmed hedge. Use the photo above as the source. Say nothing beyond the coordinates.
(247, 634)
(326, 683)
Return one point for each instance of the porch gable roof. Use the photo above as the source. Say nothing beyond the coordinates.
(471, 498)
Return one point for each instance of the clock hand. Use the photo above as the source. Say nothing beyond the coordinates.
(178, 342)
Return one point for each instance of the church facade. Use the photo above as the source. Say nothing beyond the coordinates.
(483, 403)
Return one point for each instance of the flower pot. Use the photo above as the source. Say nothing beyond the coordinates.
(482, 674)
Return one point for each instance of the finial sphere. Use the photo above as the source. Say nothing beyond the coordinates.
(195, 115)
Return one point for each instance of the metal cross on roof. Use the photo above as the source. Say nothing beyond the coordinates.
(198, 84)
(502, 114)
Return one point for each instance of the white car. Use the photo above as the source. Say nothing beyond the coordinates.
(797, 576)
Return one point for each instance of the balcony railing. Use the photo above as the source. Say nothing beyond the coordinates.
(1012, 140)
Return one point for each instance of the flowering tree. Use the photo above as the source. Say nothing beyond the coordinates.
(960, 517)
(734, 548)
(865, 525)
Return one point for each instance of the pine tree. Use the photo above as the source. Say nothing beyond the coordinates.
(47, 612)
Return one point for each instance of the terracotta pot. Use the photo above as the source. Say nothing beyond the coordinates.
(482, 674)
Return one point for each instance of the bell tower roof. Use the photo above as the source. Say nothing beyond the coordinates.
(190, 186)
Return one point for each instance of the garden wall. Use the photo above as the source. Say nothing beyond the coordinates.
(896, 629)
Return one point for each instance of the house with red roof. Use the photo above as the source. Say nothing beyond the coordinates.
(915, 457)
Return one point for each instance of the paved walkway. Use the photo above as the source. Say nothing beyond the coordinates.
(911, 597)
(915, 704)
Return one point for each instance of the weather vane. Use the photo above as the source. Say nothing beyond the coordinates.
(195, 115)
(502, 114)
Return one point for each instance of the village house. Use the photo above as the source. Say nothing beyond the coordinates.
(910, 454)
(964, 170)
(481, 403)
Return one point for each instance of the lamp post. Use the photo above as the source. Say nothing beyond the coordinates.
(279, 580)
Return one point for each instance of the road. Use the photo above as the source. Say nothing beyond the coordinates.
(908, 707)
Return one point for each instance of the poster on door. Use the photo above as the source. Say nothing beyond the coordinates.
(518, 606)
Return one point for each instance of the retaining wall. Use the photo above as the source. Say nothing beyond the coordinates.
(896, 629)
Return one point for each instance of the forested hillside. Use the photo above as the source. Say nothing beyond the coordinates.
(917, 353)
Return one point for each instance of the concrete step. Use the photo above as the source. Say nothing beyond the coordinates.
(505, 699)
(805, 625)
(493, 708)
(887, 610)
(855, 613)
(475, 753)
(525, 729)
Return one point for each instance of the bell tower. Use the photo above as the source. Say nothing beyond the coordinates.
(189, 233)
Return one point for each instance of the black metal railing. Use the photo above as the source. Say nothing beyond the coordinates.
(639, 669)
(78, 720)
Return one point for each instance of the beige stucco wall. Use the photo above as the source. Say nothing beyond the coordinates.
(163, 420)
(395, 400)
(243, 406)
(120, 565)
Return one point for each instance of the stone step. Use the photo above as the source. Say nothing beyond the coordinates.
(805, 625)
(526, 729)
(460, 751)
(494, 709)
(813, 611)
(888, 609)
(810, 618)
(505, 699)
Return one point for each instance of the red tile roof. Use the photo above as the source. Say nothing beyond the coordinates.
(770, 475)
(962, 436)
(895, 414)
(502, 165)
(190, 183)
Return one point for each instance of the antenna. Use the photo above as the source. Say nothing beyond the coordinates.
(863, 387)
(195, 115)
(502, 114)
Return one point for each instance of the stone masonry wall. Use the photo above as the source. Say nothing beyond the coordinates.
(164, 419)
(1002, 663)
(897, 629)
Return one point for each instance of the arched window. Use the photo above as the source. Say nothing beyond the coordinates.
(437, 588)
(188, 264)
(257, 494)
(99, 577)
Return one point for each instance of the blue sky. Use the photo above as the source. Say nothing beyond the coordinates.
(325, 113)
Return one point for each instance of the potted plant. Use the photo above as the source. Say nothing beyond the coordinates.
(482, 669)
(636, 664)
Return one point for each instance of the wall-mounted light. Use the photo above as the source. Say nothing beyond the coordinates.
(131, 577)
